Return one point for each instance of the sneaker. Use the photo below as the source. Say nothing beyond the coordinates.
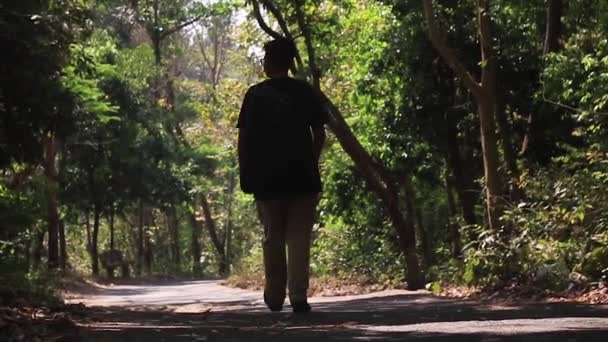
(273, 307)
(301, 307)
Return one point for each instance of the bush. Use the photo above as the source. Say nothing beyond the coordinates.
(18, 287)
(561, 228)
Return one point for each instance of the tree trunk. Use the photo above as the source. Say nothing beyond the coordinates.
(453, 229)
(553, 29)
(139, 265)
(490, 161)
(173, 227)
(484, 93)
(148, 251)
(554, 26)
(111, 223)
(50, 171)
(63, 253)
(53, 229)
(486, 103)
(228, 233)
(217, 242)
(463, 181)
(87, 226)
(156, 39)
(38, 250)
(516, 193)
(413, 213)
(425, 242)
(94, 237)
(28, 253)
(195, 245)
(406, 234)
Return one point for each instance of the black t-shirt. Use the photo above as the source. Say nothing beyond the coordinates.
(279, 114)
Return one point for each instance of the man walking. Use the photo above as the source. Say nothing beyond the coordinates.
(281, 135)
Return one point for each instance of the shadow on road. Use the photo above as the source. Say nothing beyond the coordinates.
(417, 317)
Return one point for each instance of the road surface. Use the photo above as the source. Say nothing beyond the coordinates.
(208, 311)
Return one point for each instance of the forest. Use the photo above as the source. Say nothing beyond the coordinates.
(467, 140)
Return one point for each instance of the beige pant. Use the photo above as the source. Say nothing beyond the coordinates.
(288, 222)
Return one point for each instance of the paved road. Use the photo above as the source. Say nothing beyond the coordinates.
(208, 311)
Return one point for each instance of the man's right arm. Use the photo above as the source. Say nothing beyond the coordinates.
(244, 144)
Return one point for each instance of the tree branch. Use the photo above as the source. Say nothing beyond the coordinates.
(258, 17)
(449, 56)
(180, 26)
(314, 70)
(203, 53)
(272, 8)
(210, 223)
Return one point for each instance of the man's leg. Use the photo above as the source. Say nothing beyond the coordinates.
(273, 218)
(300, 219)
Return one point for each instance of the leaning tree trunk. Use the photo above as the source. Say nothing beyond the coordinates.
(376, 176)
(215, 240)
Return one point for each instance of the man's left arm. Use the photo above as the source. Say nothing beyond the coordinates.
(244, 144)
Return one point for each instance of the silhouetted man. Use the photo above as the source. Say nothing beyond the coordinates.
(281, 135)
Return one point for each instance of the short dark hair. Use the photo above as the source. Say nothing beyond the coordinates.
(280, 52)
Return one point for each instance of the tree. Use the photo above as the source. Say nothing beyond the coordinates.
(378, 178)
(484, 93)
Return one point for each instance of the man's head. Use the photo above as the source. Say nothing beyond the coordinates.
(278, 58)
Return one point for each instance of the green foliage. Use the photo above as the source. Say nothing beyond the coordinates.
(19, 287)
(561, 228)
(576, 77)
(345, 251)
(33, 101)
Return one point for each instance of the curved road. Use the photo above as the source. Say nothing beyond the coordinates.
(208, 311)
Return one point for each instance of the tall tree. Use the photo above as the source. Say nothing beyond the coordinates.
(484, 92)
